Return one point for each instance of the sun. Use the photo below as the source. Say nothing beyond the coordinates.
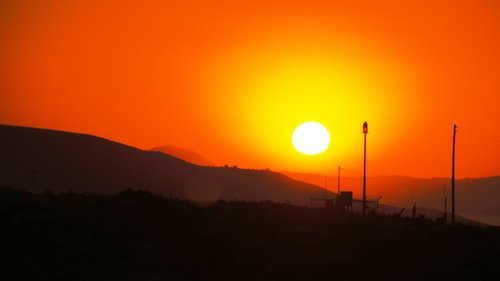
(311, 138)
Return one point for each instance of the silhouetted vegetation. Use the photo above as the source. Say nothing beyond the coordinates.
(136, 235)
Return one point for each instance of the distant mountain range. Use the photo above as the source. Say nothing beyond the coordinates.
(476, 199)
(40, 159)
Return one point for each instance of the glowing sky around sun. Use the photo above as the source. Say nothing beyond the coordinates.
(231, 80)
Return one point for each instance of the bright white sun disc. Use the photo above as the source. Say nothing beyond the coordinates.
(311, 138)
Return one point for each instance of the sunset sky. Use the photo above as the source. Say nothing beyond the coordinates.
(232, 79)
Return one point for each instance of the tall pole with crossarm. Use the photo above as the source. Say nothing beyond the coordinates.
(365, 131)
(453, 175)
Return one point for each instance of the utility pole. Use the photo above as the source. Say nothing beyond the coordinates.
(365, 131)
(338, 183)
(453, 176)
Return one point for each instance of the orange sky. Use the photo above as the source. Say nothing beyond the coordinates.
(232, 79)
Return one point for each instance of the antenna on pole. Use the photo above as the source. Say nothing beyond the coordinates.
(453, 176)
(365, 131)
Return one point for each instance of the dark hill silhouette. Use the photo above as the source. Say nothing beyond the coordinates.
(135, 235)
(40, 159)
(184, 154)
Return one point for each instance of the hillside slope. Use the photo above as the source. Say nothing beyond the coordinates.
(184, 154)
(39, 159)
(134, 235)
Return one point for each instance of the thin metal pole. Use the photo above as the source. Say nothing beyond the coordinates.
(453, 176)
(365, 131)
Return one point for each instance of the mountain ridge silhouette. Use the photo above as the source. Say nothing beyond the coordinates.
(41, 159)
(184, 154)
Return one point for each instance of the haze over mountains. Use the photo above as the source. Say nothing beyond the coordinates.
(475, 198)
(39, 159)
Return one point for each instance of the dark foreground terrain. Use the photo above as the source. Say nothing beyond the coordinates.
(135, 235)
